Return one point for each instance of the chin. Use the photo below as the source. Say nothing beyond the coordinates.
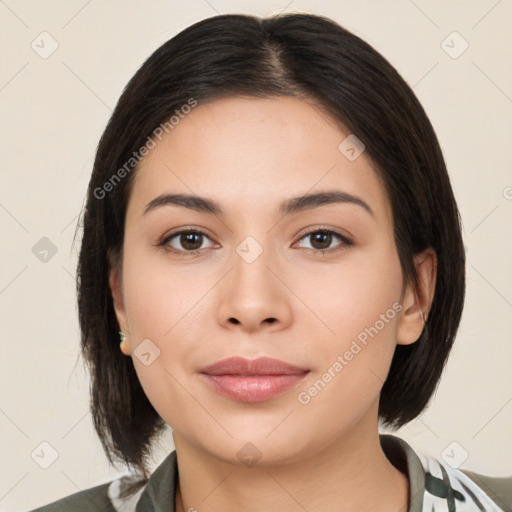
(253, 449)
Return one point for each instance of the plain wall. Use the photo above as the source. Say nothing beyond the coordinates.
(53, 111)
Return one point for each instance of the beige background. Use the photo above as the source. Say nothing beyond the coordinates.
(53, 112)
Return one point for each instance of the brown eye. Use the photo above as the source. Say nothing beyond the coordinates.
(185, 242)
(321, 240)
(191, 241)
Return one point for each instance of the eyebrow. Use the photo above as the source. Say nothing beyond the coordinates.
(287, 207)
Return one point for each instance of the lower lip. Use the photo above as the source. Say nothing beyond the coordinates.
(257, 388)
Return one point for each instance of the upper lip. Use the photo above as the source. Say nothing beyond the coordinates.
(259, 366)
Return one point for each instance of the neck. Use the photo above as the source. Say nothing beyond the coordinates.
(351, 475)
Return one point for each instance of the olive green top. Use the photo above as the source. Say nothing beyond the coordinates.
(435, 485)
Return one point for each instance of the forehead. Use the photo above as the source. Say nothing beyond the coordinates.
(255, 152)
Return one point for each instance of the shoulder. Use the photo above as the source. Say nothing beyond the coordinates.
(467, 488)
(94, 499)
(499, 489)
(124, 493)
(438, 484)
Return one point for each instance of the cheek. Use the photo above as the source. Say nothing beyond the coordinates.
(168, 309)
(161, 300)
(352, 297)
(359, 307)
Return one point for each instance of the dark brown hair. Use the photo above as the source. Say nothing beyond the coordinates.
(299, 55)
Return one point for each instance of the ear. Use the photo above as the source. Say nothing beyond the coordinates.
(115, 284)
(416, 303)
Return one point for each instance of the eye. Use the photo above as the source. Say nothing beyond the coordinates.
(190, 242)
(321, 239)
(186, 242)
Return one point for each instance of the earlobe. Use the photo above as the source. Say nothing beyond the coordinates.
(117, 299)
(418, 301)
(124, 344)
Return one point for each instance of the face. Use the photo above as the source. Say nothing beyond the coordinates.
(314, 284)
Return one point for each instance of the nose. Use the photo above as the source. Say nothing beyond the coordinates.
(253, 295)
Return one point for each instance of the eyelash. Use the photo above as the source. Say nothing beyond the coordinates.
(346, 242)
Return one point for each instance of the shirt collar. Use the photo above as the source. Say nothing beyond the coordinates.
(160, 491)
(403, 457)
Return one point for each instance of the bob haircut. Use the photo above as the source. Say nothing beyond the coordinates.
(296, 55)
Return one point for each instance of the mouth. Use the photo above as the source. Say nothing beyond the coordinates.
(254, 380)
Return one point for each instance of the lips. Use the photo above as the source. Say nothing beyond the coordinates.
(260, 366)
(254, 380)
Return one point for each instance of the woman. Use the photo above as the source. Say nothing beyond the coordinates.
(271, 230)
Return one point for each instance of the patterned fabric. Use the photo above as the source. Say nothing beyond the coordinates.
(449, 490)
(435, 486)
(114, 489)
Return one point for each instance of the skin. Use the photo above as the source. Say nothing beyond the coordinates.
(249, 155)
